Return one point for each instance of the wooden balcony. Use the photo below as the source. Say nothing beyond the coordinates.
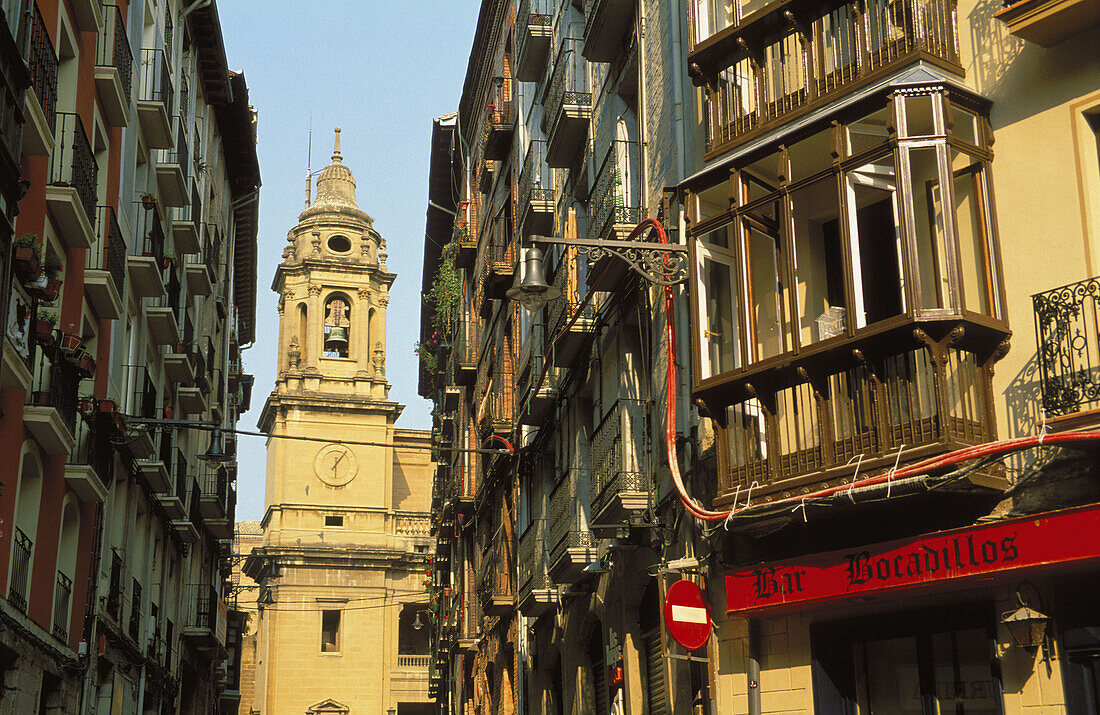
(606, 23)
(572, 544)
(895, 396)
(1049, 22)
(766, 70)
(568, 106)
(622, 472)
(534, 32)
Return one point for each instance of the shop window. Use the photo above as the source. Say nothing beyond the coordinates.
(917, 663)
(330, 631)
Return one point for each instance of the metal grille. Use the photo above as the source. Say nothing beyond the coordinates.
(42, 63)
(616, 194)
(155, 84)
(1067, 332)
(568, 81)
(110, 254)
(72, 163)
(22, 546)
(62, 597)
(113, 48)
(620, 452)
(567, 526)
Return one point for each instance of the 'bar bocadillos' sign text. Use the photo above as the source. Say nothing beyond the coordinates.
(1047, 539)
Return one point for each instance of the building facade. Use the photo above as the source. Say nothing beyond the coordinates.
(887, 324)
(129, 289)
(340, 571)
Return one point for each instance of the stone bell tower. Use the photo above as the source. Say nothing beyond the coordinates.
(347, 494)
(331, 385)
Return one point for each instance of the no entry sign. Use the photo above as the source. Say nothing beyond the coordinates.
(686, 615)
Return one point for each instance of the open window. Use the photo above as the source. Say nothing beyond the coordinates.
(337, 326)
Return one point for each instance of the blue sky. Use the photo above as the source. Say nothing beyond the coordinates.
(381, 71)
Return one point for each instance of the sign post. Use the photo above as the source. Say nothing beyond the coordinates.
(686, 615)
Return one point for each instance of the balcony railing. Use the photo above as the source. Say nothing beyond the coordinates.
(55, 385)
(22, 547)
(620, 459)
(1067, 332)
(114, 586)
(42, 63)
(616, 195)
(134, 625)
(62, 599)
(532, 561)
(155, 83)
(536, 188)
(202, 606)
(534, 28)
(91, 447)
(494, 583)
(72, 162)
(413, 661)
(561, 310)
(843, 45)
(179, 154)
(568, 104)
(113, 48)
(110, 254)
(567, 526)
(152, 235)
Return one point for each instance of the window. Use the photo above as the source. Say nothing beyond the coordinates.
(337, 326)
(331, 520)
(330, 631)
(923, 663)
(339, 244)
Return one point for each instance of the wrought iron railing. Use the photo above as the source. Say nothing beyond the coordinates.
(134, 625)
(531, 13)
(1067, 332)
(110, 254)
(215, 485)
(844, 44)
(494, 576)
(113, 47)
(531, 562)
(560, 311)
(42, 63)
(616, 194)
(169, 33)
(151, 230)
(179, 154)
(54, 384)
(567, 525)
(620, 454)
(501, 397)
(72, 162)
(202, 605)
(568, 81)
(22, 547)
(62, 600)
(114, 586)
(155, 82)
(535, 182)
(91, 447)
(182, 478)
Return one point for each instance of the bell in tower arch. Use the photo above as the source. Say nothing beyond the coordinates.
(337, 325)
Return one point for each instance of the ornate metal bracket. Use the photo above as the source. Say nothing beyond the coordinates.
(663, 264)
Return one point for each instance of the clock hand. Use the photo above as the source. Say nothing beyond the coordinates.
(337, 462)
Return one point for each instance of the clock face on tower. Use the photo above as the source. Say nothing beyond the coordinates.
(335, 465)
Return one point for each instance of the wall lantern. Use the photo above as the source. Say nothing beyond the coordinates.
(1027, 626)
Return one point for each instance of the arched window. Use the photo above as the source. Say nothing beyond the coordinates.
(66, 569)
(27, 500)
(337, 326)
(303, 331)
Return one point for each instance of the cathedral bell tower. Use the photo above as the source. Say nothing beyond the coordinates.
(331, 386)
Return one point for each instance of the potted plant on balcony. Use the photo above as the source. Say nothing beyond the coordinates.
(43, 326)
(84, 364)
(71, 343)
(48, 284)
(148, 202)
(168, 261)
(25, 257)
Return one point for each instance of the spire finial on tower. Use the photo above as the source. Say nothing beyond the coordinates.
(336, 158)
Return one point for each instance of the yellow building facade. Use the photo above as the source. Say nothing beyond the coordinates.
(340, 567)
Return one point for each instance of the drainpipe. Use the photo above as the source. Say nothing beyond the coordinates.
(753, 673)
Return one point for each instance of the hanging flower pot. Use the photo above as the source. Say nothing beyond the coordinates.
(148, 202)
(45, 289)
(85, 364)
(41, 398)
(86, 405)
(26, 263)
(43, 332)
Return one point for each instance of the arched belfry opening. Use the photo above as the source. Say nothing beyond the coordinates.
(337, 326)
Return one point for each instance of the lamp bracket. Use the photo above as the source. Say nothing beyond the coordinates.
(664, 264)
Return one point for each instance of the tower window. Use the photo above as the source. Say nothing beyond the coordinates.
(337, 326)
(330, 631)
(339, 244)
(331, 520)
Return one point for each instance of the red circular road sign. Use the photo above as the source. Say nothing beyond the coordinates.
(686, 615)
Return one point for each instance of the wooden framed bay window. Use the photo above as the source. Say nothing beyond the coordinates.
(846, 288)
